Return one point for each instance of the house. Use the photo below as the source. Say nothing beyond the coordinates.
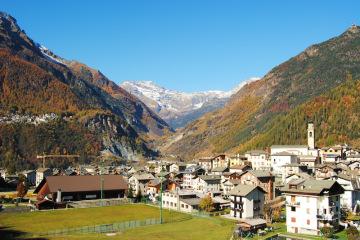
(177, 167)
(30, 177)
(259, 159)
(354, 164)
(264, 179)
(230, 175)
(333, 154)
(220, 161)
(247, 201)
(207, 183)
(3, 173)
(292, 168)
(41, 173)
(185, 201)
(311, 205)
(326, 171)
(206, 163)
(309, 161)
(219, 170)
(351, 185)
(154, 186)
(280, 159)
(296, 176)
(190, 174)
(75, 188)
(237, 160)
(138, 182)
(240, 168)
(229, 185)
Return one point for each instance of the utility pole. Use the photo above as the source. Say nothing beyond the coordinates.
(161, 192)
(101, 183)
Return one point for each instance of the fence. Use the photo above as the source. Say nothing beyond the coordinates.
(113, 227)
(104, 228)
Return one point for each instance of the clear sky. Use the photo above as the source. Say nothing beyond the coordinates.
(186, 45)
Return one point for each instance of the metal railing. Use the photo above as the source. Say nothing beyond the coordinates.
(112, 227)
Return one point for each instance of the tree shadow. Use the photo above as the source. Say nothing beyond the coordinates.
(7, 233)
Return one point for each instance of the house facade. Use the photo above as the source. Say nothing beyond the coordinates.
(247, 201)
(311, 205)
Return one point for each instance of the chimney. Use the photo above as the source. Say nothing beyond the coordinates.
(58, 196)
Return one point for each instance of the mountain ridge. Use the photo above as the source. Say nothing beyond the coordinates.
(176, 107)
(253, 110)
(97, 115)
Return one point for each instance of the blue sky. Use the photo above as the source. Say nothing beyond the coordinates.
(187, 45)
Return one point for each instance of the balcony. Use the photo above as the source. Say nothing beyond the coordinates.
(327, 217)
(256, 208)
(237, 209)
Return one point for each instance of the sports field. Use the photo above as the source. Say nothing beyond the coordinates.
(181, 226)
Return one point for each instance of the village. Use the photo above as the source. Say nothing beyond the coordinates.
(313, 189)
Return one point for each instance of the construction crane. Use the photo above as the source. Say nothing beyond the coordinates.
(44, 156)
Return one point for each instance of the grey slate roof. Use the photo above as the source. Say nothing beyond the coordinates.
(312, 186)
(261, 173)
(243, 190)
(284, 153)
(191, 201)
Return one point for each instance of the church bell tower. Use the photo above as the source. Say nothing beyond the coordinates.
(311, 136)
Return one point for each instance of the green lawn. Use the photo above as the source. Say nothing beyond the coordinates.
(192, 228)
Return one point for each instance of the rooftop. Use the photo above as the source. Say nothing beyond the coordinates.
(243, 190)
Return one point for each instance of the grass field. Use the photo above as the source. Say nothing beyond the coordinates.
(32, 223)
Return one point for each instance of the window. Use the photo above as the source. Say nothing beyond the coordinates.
(293, 198)
(293, 219)
(293, 209)
(308, 222)
(324, 211)
(308, 210)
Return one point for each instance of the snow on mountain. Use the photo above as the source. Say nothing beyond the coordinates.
(179, 108)
(50, 55)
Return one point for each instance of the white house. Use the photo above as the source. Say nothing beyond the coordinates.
(311, 205)
(206, 163)
(351, 196)
(189, 176)
(186, 201)
(259, 159)
(207, 183)
(138, 182)
(280, 159)
(247, 201)
(41, 173)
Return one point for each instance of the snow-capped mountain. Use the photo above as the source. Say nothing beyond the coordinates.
(179, 108)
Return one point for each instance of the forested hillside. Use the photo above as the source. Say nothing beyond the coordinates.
(259, 106)
(90, 114)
